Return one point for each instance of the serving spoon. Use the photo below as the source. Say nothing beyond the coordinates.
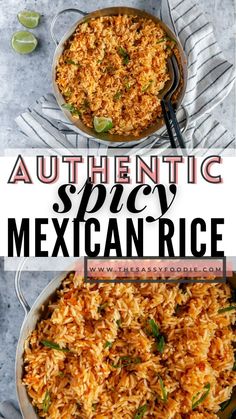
(166, 105)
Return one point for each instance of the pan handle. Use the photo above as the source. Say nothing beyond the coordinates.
(18, 289)
(57, 16)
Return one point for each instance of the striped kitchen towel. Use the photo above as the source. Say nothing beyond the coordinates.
(47, 126)
(210, 76)
(210, 79)
(8, 410)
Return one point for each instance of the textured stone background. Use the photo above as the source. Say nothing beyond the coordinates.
(25, 78)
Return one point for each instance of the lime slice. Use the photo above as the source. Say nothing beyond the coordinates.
(29, 19)
(24, 42)
(102, 124)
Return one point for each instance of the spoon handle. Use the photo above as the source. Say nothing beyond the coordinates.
(168, 124)
(175, 125)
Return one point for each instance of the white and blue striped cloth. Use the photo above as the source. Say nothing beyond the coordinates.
(210, 79)
(8, 410)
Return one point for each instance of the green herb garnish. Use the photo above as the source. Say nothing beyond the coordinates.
(140, 412)
(127, 86)
(102, 308)
(160, 344)
(166, 38)
(61, 374)
(53, 345)
(225, 309)
(124, 54)
(146, 87)
(195, 403)
(71, 108)
(177, 309)
(108, 344)
(125, 361)
(86, 104)
(171, 39)
(117, 96)
(118, 322)
(68, 107)
(162, 40)
(224, 405)
(110, 69)
(72, 62)
(154, 328)
(160, 340)
(68, 93)
(94, 406)
(163, 391)
(46, 402)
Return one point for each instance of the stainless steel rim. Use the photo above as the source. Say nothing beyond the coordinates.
(31, 318)
(19, 292)
(54, 21)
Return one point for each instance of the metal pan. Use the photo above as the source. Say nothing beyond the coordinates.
(111, 11)
(33, 315)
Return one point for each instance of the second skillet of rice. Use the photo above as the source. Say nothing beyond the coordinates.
(114, 67)
(113, 366)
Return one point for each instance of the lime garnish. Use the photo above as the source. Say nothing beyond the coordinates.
(29, 19)
(102, 124)
(24, 42)
(72, 109)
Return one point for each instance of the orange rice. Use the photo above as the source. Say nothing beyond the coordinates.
(114, 366)
(115, 67)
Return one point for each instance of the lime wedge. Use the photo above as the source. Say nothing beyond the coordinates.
(102, 124)
(24, 42)
(29, 19)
